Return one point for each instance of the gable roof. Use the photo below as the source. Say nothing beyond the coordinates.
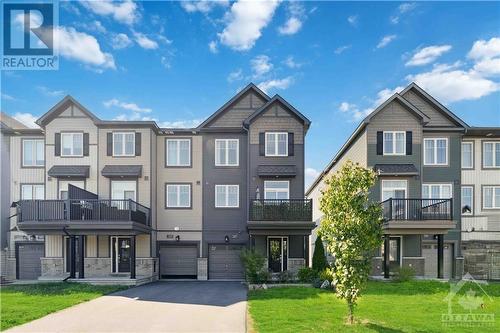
(440, 107)
(277, 98)
(397, 97)
(229, 103)
(11, 122)
(61, 106)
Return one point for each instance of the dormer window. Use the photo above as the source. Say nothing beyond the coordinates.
(395, 143)
(276, 144)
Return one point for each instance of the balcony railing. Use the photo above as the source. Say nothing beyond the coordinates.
(417, 209)
(281, 210)
(83, 210)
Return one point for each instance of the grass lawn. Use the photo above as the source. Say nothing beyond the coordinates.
(24, 303)
(414, 306)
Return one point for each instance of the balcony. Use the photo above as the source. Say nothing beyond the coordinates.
(418, 215)
(281, 210)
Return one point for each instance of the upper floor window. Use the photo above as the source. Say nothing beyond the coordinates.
(491, 154)
(226, 152)
(123, 144)
(467, 155)
(227, 196)
(491, 197)
(276, 144)
(276, 190)
(72, 144)
(467, 200)
(394, 143)
(178, 196)
(178, 152)
(33, 152)
(436, 151)
(436, 191)
(32, 192)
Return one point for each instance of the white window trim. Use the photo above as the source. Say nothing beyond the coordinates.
(441, 185)
(178, 153)
(32, 190)
(33, 152)
(227, 196)
(394, 143)
(123, 144)
(471, 143)
(278, 190)
(435, 152)
(226, 145)
(72, 147)
(494, 166)
(496, 206)
(178, 198)
(276, 144)
(393, 188)
(472, 199)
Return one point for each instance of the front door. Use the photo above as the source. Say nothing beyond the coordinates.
(121, 254)
(277, 254)
(394, 253)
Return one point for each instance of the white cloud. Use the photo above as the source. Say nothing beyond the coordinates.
(394, 19)
(488, 67)
(212, 46)
(341, 49)
(124, 12)
(203, 6)
(357, 114)
(145, 42)
(237, 75)
(353, 20)
(261, 65)
(276, 84)
(385, 94)
(82, 47)
(95, 26)
(126, 106)
(483, 49)
(165, 61)
(385, 41)
(310, 175)
(403, 8)
(353, 111)
(27, 119)
(120, 41)
(427, 55)
(50, 93)
(189, 123)
(291, 26)
(245, 22)
(8, 97)
(291, 63)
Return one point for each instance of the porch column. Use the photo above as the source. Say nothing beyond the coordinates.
(306, 250)
(386, 256)
(81, 255)
(440, 256)
(72, 257)
(132, 257)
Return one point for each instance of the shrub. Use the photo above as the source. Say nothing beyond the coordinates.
(254, 266)
(326, 274)
(319, 259)
(307, 275)
(404, 274)
(286, 276)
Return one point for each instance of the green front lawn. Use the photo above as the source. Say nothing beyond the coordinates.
(24, 303)
(384, 307)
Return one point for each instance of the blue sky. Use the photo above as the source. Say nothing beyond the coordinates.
(334, 61)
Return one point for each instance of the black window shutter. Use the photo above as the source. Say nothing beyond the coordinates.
(409, 142)
(137, 144)
(380, 143)
(262, 144)
(290, 144)
(109, 144)
(85, 144)
(57, 143)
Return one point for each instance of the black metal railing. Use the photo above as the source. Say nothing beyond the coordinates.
(417, 209)
(83, 210)
(281, 210)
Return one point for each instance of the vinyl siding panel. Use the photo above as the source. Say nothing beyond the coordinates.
(436, 117)
(53, 246)
(103, 246)
(91, 246)
(276, 118)
(142, 246)
(239, 111)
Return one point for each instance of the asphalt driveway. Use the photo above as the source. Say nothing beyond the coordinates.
(156, 307)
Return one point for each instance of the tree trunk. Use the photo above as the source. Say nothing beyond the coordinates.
(350, 316)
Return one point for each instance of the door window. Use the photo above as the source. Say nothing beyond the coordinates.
(276, 190)
(123, 190)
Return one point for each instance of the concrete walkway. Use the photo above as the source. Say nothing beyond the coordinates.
(156, 307)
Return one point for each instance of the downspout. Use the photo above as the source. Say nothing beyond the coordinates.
(248, 185)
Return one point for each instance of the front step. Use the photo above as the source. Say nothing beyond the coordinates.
(4, 281)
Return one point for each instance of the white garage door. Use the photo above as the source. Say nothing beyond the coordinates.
(429, 252)
(178, 262)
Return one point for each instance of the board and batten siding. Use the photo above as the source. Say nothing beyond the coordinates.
(239, 111)
(53, 246)
(142, 243)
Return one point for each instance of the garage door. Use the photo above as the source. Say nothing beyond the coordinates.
(224, 262)
(178, 262)
(429, 252)
(28, 262)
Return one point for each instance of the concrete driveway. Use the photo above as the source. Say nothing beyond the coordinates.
(156, 307)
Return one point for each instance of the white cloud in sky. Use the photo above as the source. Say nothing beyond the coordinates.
(310, 175)
(261, 65)
(353, 20)
(236, 75)
(188, 123)
(291, 26)
(26, 118)
(341, 49)
(245, 22)
(356, 113)
(212, 46)
(120, 41)
(385, 41)
(126, 106)
(291, 63)
(145, 42)
(488, 67)
(353, 111)
(483, 49)
(281, 84)
(428, 55)
(8, 97)
(203, 6)
(403, 8)
(50, 92)
(124, 12)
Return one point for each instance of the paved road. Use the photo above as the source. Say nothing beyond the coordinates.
(156, 307)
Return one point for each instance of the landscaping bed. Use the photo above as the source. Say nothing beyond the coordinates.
(23, 303)
(415, 306)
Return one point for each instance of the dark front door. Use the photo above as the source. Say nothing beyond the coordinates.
(394, 253)
(277, 254)
(68, 254)
(121, 254)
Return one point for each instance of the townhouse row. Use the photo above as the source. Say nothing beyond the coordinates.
(129, 202)
(438, 182)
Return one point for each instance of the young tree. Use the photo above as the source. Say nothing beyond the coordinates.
(352, 229)
(319, 260)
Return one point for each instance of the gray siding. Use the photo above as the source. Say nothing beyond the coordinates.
(436, 117)
(239, 111)
(5, 185)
